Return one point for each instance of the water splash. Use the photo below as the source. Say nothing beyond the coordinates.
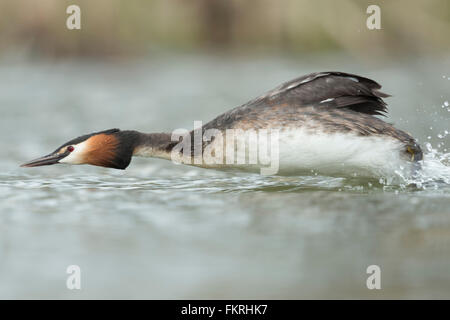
(434, 172)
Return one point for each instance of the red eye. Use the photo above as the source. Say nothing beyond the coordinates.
(70, 148)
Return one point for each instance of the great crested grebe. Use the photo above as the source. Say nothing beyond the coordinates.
(325, 123)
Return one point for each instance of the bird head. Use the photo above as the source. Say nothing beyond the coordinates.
(110, 148)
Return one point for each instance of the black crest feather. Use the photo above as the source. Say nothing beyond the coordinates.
(87, 136)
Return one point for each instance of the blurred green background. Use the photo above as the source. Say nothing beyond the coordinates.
(119, 28)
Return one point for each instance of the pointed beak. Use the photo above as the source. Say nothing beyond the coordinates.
(45, 161)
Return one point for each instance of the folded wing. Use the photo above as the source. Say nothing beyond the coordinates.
(331, 89)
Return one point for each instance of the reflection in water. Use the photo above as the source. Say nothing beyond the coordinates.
(158, 230)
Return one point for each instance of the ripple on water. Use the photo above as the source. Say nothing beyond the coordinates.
(435, 175)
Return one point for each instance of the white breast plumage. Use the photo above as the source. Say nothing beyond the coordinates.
(300, 151)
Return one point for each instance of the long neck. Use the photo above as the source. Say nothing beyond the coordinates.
(155, 145)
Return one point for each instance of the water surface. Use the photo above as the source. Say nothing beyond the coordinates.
(158, 230)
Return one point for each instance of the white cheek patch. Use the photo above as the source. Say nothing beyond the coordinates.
(77, 155)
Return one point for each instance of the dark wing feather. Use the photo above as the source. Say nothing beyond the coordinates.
(331, 89)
